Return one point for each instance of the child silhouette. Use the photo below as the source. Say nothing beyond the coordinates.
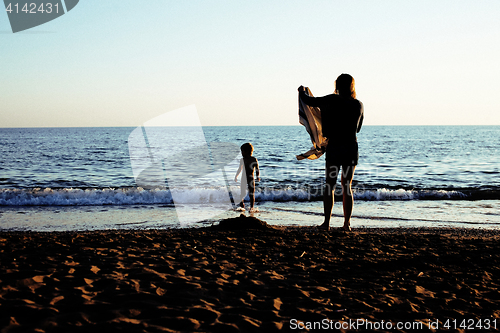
(249, 165)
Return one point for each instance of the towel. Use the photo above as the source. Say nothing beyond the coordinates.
(310, 117)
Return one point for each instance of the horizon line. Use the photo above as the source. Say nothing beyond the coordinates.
(298, 125)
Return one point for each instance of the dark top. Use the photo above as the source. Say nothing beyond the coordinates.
(341, 117)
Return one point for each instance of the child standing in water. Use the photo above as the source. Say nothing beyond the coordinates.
(250, 165)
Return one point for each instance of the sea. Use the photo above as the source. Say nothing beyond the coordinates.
(68, 179)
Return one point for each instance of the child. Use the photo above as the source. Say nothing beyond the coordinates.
(250, 164)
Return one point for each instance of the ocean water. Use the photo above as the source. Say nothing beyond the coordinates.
(94, 178)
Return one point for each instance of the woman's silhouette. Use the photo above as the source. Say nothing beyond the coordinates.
(341, 117)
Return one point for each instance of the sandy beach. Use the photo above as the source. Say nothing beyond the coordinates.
(245, 276)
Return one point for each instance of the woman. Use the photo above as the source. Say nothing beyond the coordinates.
(341, 117)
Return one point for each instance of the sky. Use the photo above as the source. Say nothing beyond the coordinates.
(124, 62)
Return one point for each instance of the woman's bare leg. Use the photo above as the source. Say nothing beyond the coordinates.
(347, 198)
(331, 172)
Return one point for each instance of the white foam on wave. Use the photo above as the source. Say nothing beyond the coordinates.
(402, 194)
(131, 196)
(81, 197)
(99, 197)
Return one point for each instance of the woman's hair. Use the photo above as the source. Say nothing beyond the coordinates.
(246, 149)
(344, 85)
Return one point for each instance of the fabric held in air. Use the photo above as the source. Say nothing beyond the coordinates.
(310, 118)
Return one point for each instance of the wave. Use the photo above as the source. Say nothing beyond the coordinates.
(402, 194)
(82, 197)
(140, 196)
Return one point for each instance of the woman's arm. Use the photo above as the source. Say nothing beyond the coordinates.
(361, 118)
(309, 100)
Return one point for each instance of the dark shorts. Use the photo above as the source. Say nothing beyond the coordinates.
(345, 154)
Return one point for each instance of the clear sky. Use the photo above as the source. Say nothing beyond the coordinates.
(123, 62)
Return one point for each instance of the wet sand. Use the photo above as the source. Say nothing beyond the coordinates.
(254, 278)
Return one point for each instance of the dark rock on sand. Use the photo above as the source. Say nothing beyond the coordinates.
(242, 222)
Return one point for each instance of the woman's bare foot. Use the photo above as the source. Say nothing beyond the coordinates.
(346, 228)
(324, 226)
